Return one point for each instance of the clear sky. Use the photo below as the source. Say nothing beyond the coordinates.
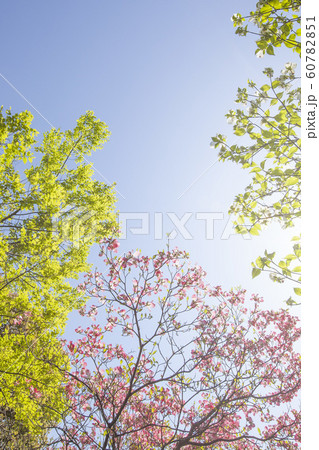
(161, 74)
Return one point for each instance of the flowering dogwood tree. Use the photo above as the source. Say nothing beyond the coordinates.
(176, 363)
(278, 23)
(273, 157)
(269, 120)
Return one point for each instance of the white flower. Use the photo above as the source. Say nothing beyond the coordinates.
(236, 18)
(232, 117)
(289, 68)
(231, 120)
(254, 20)
(260, 54)
(288, 87)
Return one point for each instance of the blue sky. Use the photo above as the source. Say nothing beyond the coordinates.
(161, 74)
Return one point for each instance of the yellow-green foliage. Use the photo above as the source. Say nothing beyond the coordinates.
(269, 121)
(278, 22)
(51, 212)
(31, 389)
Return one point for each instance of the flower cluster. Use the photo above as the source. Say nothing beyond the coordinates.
(190, 365)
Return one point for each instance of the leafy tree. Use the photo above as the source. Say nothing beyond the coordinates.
(32, 248)
(14, 435)
(273, 156)
(278, 22)
(28, 386)
(270, 127)
(176, 363)
(51, 213)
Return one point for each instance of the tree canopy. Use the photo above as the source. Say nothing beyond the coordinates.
(268, 121)
(42, 204)
(172, 362)
(175, 363)
(278, 23)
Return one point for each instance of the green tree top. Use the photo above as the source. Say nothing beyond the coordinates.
(278, 22)
(52, 211)
(268, 120)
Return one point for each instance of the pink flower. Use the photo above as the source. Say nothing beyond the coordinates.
(113, 245)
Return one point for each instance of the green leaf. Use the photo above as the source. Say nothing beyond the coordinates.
(297, 291)
(267, 134)
(259, 177)
(265, 87)
(254, 230)
(295, 119)
(240, 131)
(255, 272)
(281, 117)
(270, 255)
(259, 262)
(290, 302)
(270, 50)
(291, 181)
